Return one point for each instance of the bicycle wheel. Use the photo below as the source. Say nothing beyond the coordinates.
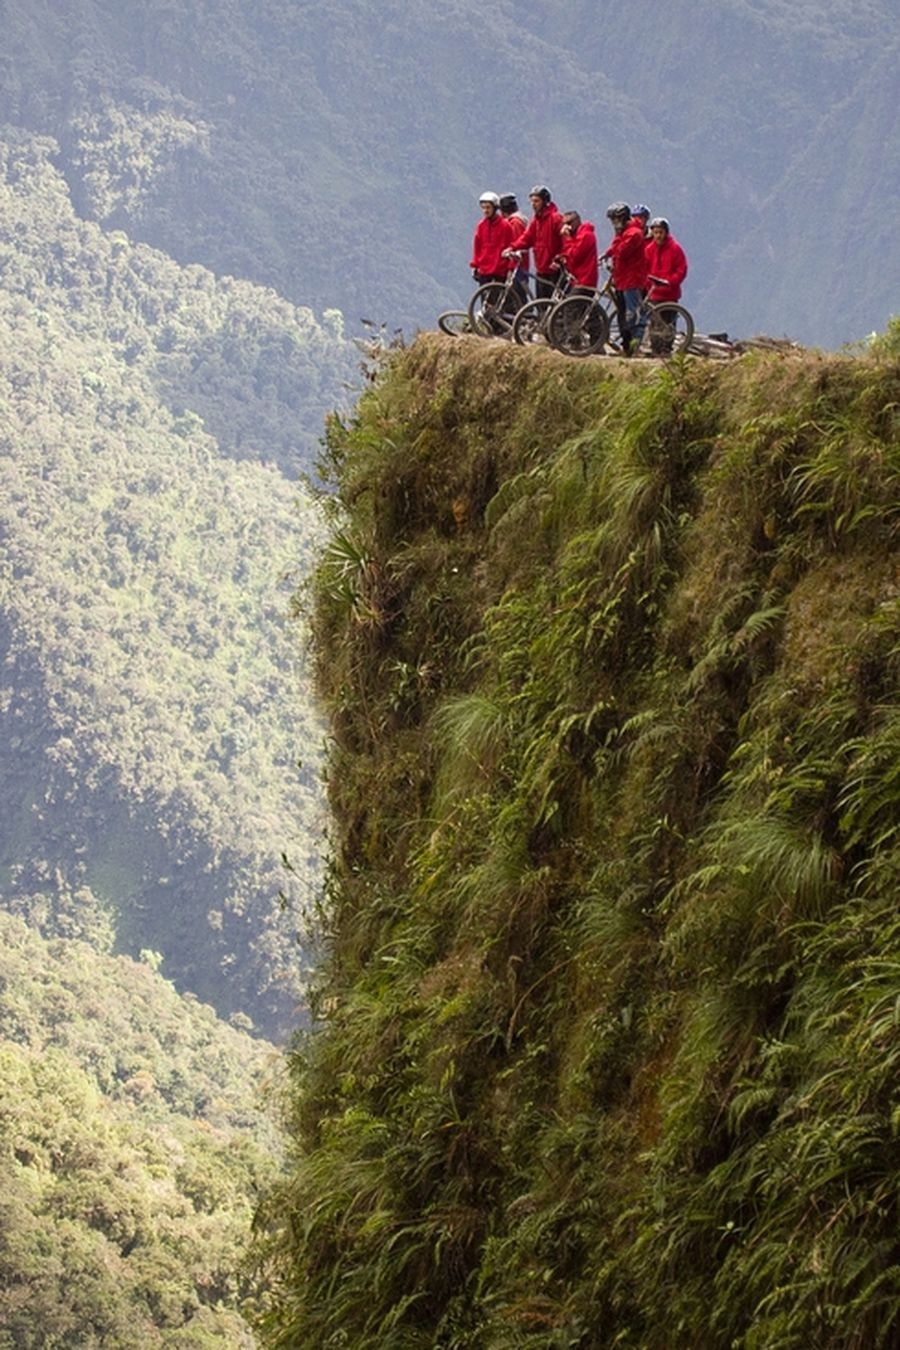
(530, 324)
(492, 310)
(454, 322)
(578, 326)
(670, 329)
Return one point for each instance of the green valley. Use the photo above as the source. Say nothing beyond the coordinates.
(448, 792)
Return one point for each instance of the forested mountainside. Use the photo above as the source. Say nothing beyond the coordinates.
(608, 1051)
(154, 713)
(335, 150)
(134, 1140)
(258, 373)
(159, 764)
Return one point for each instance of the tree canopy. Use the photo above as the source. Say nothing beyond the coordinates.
(136, 1130)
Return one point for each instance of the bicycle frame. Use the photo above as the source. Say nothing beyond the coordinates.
(493, 307)
(531, 322)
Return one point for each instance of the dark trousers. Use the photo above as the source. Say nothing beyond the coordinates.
(662, 343)
(621, 315)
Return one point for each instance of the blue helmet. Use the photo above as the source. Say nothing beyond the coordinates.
(641, 210)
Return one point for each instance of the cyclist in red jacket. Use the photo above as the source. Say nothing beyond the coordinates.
(543, 235)
(579, 253)
(666, 262)
(666, 270)
(492, 236)
(641, 214)
(629, 274)
(509, 206)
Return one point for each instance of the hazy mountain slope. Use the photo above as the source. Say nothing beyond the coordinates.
(260, 372)
(133, 1137)
(335, 151)
(153, 711)
(837, 193)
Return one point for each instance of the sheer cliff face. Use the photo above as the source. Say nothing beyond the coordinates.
(610, 655)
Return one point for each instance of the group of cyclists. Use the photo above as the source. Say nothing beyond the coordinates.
(646, 262)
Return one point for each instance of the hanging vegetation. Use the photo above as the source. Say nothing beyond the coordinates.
(608, 1040)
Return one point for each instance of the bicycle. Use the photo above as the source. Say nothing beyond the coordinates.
(669, 327)
(576, 325)
(581, 324)
(495, 304)
(530, 324)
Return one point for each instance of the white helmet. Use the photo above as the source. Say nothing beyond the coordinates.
(489, 197)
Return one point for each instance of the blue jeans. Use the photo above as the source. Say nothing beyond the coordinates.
(632, 314)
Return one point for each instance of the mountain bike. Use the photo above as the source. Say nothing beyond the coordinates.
(581, 324)
(669, 328)
(494, 306)
(576, 325)
(530, 324)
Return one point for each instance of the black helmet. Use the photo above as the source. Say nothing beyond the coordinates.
(508, 202)
(619, 211)
(540, 190)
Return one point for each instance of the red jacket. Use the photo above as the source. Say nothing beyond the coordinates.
(580, 252)
(492, 235)
(629, 270)
(666, 261)
(518, 224)
(543, 234)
